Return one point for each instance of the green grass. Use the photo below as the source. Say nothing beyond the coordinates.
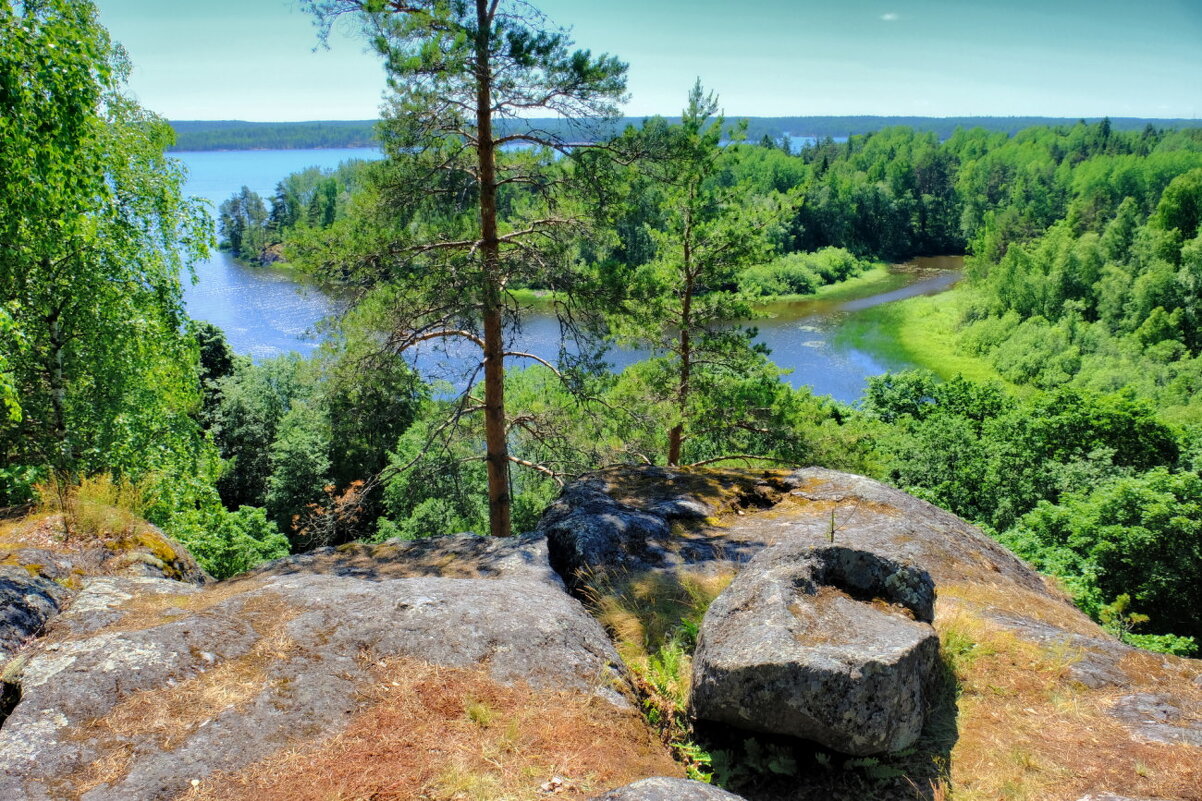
(923, 331)
(653, 619)
(532, 297)
(869, 282)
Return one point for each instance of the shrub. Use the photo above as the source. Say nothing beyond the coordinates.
(1137, 535)
(227, 543)
(800, 273)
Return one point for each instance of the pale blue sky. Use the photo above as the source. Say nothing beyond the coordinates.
(255, 59)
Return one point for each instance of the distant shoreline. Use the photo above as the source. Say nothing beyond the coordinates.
(199, 136)
(267, 149)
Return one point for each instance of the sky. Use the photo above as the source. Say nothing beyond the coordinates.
(260, 60)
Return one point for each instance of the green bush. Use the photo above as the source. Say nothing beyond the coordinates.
(18, 483)
(800, 273)
(227, 543)
(787, 275)
(1137, 535)
(992, 458)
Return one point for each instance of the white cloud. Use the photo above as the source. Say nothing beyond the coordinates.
(891, 17)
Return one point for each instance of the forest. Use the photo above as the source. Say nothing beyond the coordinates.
(192, 135)
(238, 135)
(1075, 436)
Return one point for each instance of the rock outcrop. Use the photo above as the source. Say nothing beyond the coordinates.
(630, 520)
(41, 569)
(147, 688)
(1159, 718)
(27, 602)
(662, 789)
(827, 643)
(1041, 701)
(461, 668)
(453, 556)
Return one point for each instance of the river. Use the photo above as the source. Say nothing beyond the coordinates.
(266, 312)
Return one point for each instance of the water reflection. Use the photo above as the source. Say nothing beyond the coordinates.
(802, 336)
(263, 311)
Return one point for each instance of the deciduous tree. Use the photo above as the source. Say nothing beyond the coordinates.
(95, 235)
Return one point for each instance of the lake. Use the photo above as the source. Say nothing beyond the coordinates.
(264, 311)
(267, 312)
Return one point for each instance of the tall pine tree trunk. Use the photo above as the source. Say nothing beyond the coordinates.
(676, 435)
(497, 449)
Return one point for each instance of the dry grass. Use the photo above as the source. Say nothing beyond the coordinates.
(441, 733)
(653, 619)
(168, 716)
(94, 524)
(643, 611)
(104, 539)
(1054, 610)
(147, 611)
(98, 512)
(35, 530)
(96, 508)
(1027, 732)
(1173, 674)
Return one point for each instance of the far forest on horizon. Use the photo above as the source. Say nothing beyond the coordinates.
(202, 135)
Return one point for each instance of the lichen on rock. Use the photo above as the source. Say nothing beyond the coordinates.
(821, 643)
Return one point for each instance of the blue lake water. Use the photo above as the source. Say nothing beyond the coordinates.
(264, 312)
(267, 312)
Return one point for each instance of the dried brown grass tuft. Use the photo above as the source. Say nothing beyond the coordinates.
(107, 538)
(440, 733)
(147, 611)
(642, 611)
(1028, 732)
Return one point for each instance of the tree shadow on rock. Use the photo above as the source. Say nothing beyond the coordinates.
(463, 555)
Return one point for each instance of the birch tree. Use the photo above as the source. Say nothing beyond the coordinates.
(94, 235)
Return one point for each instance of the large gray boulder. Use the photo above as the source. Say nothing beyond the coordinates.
(1001, 613)
(664, 789)
(829, 643)
(145, 685)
